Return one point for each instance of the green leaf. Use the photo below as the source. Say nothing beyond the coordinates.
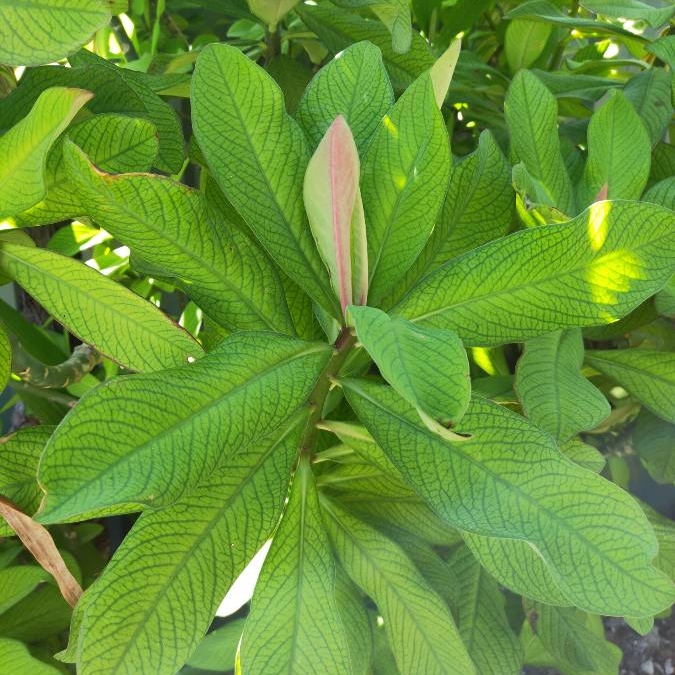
(662, 193)
(404, 178)
(554, 393)
(525, 40)
(442, 71)
(255, 134)
(648, 375)
(17, 582)
(619, 153)
(428, 368)
(206, 539)
(583, 454)
(665, 534)
(509, 480)
(294, 625)
(31, 34)
(419, 626)
(25, 147)
(102, 313)
(114, 143)
(482, 620)
(354, 85)
(170, 226)
(209, 410)
(592, 270)
(16, 658)
(654, 443)
(271, 11)
(218, 650)
(650, 94)
(531, 113)
(664, 49)
(631, 9)
(5, 357)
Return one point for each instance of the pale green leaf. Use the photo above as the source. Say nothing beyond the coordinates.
(650, 93)
(218, 650)
(271, 11)
(525, 40)
(35, 33)
(482, 620)
(419, 626)
(509, 480)
(113, 142)
(589, 271)
(632, 9)
(404, 178)
(17, 582)
(101, 457)
(102, 313)
(654, 443)
(443, 69)
(294, 625)
(240, 121)
(531, 113)
(15, 658)
(554, 393)
(179, 562)
(170, 226)
(583, 454)
(648, 375)
(429, 368)
(25, 146)
(354, 85)
(619, 153)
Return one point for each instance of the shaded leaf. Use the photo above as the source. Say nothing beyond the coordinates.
(654, 443)
(16, 658)
(17, 582)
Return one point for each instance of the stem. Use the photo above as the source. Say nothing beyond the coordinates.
(273, 42)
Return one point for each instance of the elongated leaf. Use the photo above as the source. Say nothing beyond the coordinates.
(589, 271)
(509, 480)
(240, 121)
(25, 147)
(419, 626)
(618, 153)
(403, 183)
(104, 314)
(525, 40)
(351, 605)
(208, 410)
(114, 143)
(354, 85)
(17, 582)
(31, 34)
(428, 368)
(294, 625)
(180, 561)
(654, 443)
(664, 49)
(554, 394)
(631, 9)
(16, 658)
(170, 226)
(532, 117)
(648, 375)
(482, 620)
(5, 357)
(443, 69)
(650, 94)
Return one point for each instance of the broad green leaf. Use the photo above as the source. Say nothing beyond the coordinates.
(648, 375)
(209, 410)
(583, 454)
(218, 650)
(35, 33)
(170, 226)
(271, 11)
(525, 40)
(15, 658)
(404, 178)
(592, 270)
(351, 605)
(631, 9)
(443, 69)
(482, 620)
(531, 113)
(654, 443)
(17, 582)
(618, 153)
(509, 480)
(650, 94)
(419, 626)
(40, 615)
(294, 625)
(115, 144)
(663, 162)
(181, 560)
(111, 318)
(664, 49)
(240, 121)
(427, 367)
(554, 393)
(25, 147)
(354, 85)
(662, 193)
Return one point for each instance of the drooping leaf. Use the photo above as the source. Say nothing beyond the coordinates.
(16, 658)
(554, 393)
(239, 120)
(648, 375)
(171, 227)
(654, 443)
(31, 34)
(590, 533)
(664, 49)
(427, 367)
(589, 271)
(356, 86)
(419, 626)
(106, 315)
(294, 625)
(208, 410)
(25, 147)
(650, 94)
(631, 9)
(181, 560)
(403, 182)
